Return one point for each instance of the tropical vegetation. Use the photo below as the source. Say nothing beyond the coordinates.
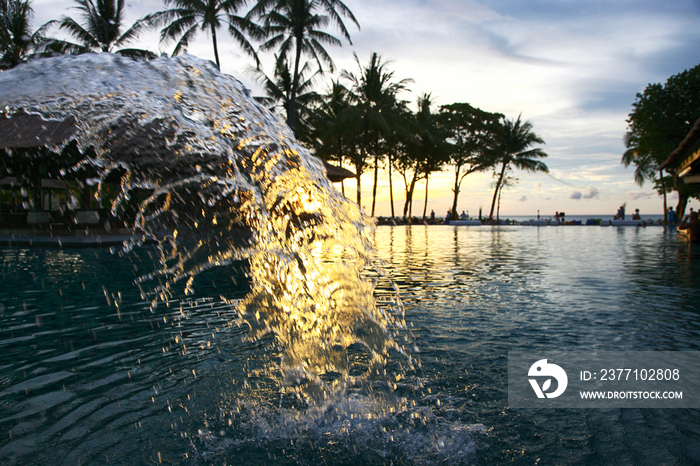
(661, 117)
(278, 93)
(18, 42)
(471, 132)
(101, 29)
(512, 148)
(185, 18)
(374, 111)
(295, 28)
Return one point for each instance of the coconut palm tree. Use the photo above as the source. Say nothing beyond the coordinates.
(375, 111)
(278, 91)
(430, 148)
(295, 28)
(512, 148)
(397, 142)
(17, 41)
(102, 29)
(330, 121)
(186, 17)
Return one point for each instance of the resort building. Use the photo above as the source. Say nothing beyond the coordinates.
(685, 160)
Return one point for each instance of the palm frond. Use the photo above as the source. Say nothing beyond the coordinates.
(79, 32)
(185, 39)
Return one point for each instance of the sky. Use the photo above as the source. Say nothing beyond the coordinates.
(571, 68)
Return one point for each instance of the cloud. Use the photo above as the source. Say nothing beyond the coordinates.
(522, 199)
(591, 194)
(640, 195)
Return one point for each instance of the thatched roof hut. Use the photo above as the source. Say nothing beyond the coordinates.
(22, 130)
(685, 160)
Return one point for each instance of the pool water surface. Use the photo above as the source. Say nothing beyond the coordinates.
(89, 374)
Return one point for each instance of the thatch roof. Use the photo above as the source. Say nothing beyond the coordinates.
(22, 130)
(336, 174)
(685, 159)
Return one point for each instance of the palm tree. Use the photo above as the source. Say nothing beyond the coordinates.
(294, 27)
(186, 17)
(430, 147)
(17, 42)
(375, 112)
(330, 122)
(101, 30)
(278, 91)
(397, 142)
(511, 146)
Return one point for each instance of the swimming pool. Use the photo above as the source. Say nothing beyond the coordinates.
(89, 375)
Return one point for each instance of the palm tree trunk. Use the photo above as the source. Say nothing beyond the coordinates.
(376, 179)
(291, 111)
(456, 191)
(358, 158)
(408, 206)
(216, 48)
(363, 157)
(425, 205)
(498, 209)
(405, 186)
(391, 188)
(498, 186)
(340, 163)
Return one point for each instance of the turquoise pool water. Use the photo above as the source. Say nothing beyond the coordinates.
(89, 375)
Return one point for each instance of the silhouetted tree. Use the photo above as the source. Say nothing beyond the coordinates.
(661, 118)
(186, 18)
(471, 132)
(295, 28)
(375, 113)
(512, 148)
(102, 29)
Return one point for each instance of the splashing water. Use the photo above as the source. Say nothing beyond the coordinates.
(220, 179)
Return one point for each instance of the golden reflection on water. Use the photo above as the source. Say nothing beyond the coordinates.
(59, 264)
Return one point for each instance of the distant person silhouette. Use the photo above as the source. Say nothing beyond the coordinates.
(620, 213)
